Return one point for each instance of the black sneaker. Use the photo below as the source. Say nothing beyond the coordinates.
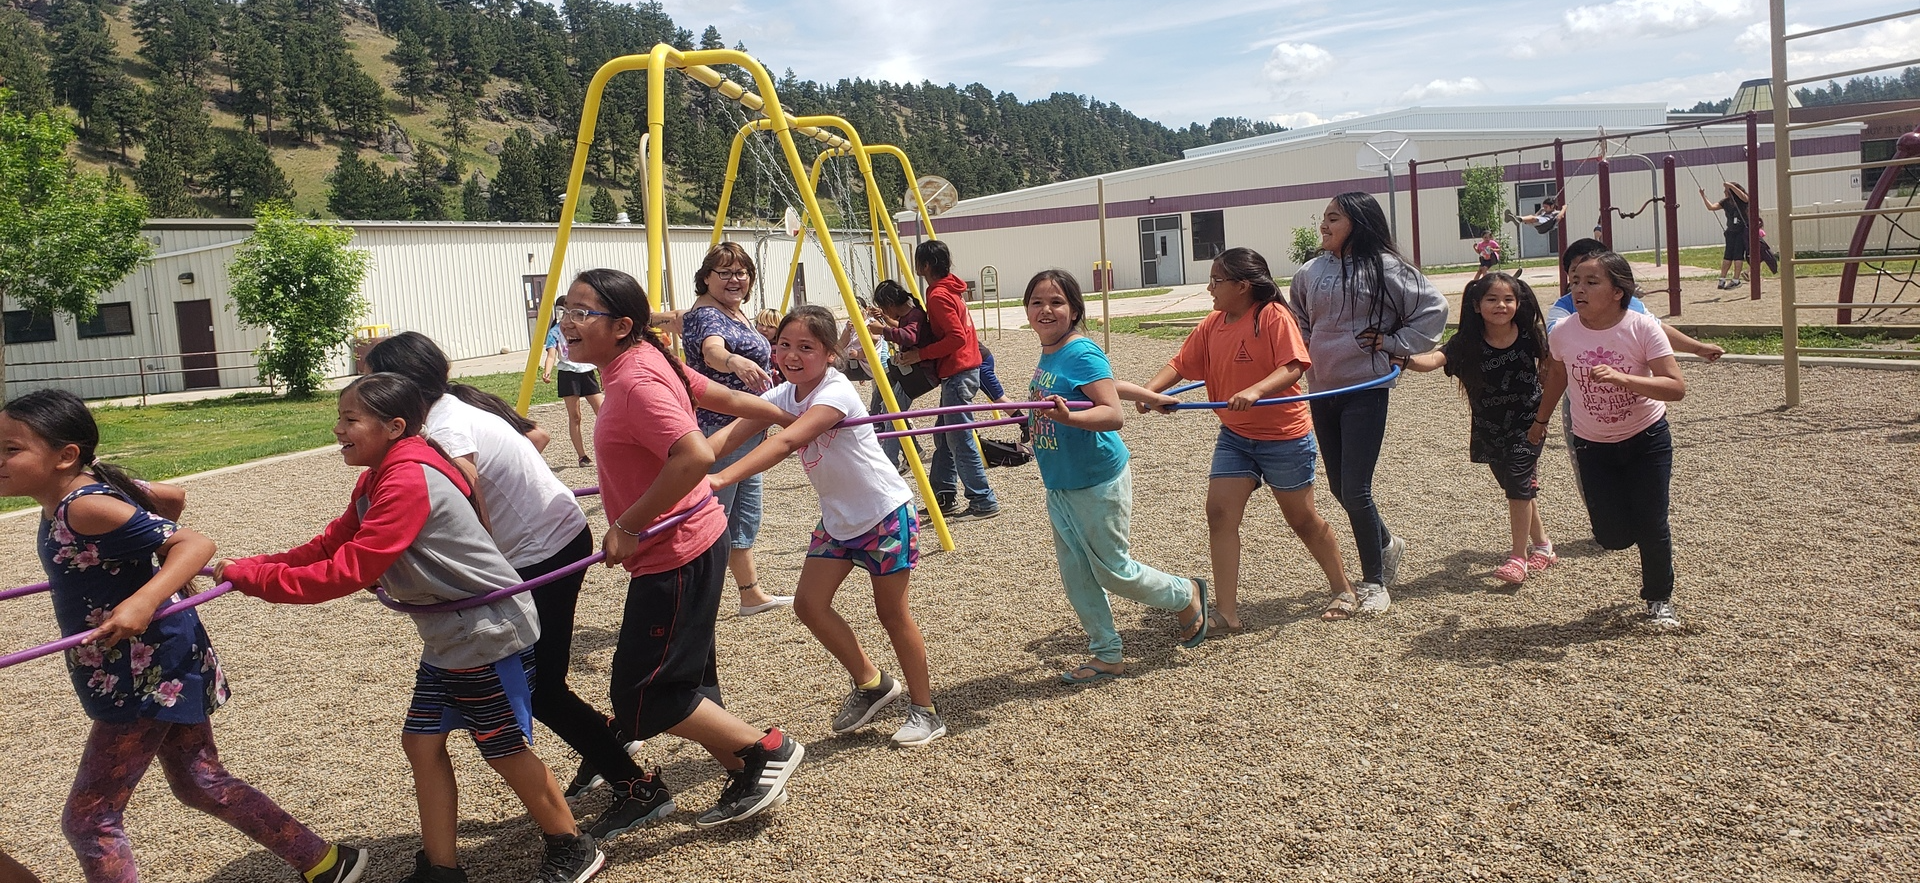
(757, 785)
(977, 512)
(349, 863)
(861, 705)
(583, 781)
(428, 872)
(571, 858)
(952, 509)
(636, 804)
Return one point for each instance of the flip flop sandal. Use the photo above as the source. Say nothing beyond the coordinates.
(1341, 607)
(1093, 674)
(1219, 626)
(1205, 618)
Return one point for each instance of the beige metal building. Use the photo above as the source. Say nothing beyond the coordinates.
(170, 324)
(1166, 222)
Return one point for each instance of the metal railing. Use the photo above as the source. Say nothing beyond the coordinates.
(142, 368)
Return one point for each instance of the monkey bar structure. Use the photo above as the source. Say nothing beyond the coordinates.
(698, 66)
(1907, 154)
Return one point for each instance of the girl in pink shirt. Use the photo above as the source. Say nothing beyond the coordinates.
(1620, 371)
(653, 462)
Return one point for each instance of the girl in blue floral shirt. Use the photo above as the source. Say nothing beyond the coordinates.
(148, 684)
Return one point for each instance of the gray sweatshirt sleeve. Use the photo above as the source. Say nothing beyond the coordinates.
(1425, 309)
(1297, 302)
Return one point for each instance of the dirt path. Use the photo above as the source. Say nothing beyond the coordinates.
(1469, 732)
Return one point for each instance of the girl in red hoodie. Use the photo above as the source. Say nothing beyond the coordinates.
(412, 527)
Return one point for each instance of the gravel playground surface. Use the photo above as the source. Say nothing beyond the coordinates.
(1472, 731)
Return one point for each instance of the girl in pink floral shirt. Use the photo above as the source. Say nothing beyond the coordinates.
(148, 683)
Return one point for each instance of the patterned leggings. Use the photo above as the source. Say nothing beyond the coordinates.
(117, 756)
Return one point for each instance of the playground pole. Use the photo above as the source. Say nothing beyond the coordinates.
(1106, 274)
(1753, 207)
(1672, 211)
(1560, 196)
(1606, 202)
(1413, 205)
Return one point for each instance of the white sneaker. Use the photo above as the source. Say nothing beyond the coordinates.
(773, 601)
(1662, 616)
(922, 726)
(1390, 561)
(1373, 597)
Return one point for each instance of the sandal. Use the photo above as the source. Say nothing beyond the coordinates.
(586, 460)
(1074, 676)
(1541, 557)
(1219, 625)
(1514, 571)
(1341, 607)
(1201, 621)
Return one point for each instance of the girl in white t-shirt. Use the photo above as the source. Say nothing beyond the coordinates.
(1619, 370)
(866, 518)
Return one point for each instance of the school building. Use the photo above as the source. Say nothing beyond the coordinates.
(473, 287)
(1165, 223)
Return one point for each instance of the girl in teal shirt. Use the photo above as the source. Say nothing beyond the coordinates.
(1089, 487)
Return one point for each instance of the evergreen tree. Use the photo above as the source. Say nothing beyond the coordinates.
(518, 192)
(177, 36)
(635, 205)
(604, 209)
(352, 187)
(23, 65)
(256, 66)
(415, 68)
(82, 56)
(457, 124)
(121, 109)
(164, 183)
(356, 100)
(244, 174)
(473, 200)
(427, 195)
(302, 89)
(180, 127)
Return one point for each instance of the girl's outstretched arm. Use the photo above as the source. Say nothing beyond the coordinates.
(1104, 416)
(733, 435)
(1140, 395)
(810, 425)
(1151, 397)
(1432, 360)
(726, 400)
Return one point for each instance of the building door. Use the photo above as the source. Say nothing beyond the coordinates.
(199, 367)
(1533, 243)
(1161, 260)
(534, 288)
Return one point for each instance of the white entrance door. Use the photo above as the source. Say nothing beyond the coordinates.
(1161, 260)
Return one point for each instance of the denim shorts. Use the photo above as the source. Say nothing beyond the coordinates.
(1285, 465)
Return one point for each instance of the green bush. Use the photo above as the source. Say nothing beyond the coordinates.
(300, 281)
(1306, 245)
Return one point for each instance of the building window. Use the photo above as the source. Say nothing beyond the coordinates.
(111, 320)
(1209, 235)
(26, 326)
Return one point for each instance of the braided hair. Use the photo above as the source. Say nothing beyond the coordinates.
(625, 299)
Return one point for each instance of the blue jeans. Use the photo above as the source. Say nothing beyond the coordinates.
(1090, 527)
(741, 502)
(1628, 483)
(956, 459)
(891, 446)
(1350, 429)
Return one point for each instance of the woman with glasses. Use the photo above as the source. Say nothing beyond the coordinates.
(720, 340)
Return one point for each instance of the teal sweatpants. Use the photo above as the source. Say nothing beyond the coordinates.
(1090, 528)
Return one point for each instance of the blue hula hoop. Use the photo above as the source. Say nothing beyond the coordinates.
(1305, 397)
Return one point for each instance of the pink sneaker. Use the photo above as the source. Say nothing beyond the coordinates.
(1514, 571)
(1541, 557)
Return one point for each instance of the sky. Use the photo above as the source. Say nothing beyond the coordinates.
(1302, 62)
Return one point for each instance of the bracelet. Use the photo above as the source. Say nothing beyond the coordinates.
(623, 529)
(1536, 422)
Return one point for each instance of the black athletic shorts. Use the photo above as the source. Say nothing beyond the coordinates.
(1736, 247)
(1517, 471)
(578, 383)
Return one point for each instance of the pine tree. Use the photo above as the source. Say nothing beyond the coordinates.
(457, 124)
(415, 68)
(473, 200)
(356, 100)
(122, 110)
(23, 65)
(82, 56)
(351, 186)
(179, 128)
(177, 36)
(244, 173)
(164, 183)
(635, 204)
(604, 209)
(518, 194)
(256, 66)
(427, 194)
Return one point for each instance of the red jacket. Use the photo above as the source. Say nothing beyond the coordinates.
(955, 348)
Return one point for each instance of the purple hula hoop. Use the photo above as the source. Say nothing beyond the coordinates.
(950, 427)
(671, 521)
(72, 641)
(23, 591)
(952, 409)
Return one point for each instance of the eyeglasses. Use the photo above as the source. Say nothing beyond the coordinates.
(736, 275)
(1214, 280)
(580, 316)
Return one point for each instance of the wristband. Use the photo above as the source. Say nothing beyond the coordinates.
(1536, 423)
(623, 529)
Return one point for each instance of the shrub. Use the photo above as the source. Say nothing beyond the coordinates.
(299, 280)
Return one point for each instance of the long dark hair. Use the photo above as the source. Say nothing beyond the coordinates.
(416, 357)
(818, 322)
(625, 299)
(1246, 265)
(1619, 273)
(1464, 349)
(1068, 286)
(891, 294)
(1363, 256)
(60, 418)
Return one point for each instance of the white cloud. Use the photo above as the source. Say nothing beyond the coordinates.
(1842, 50)
(1307, 118)
(1293, 62)
(1651, 18)
(1083, 55)
(1444, 89)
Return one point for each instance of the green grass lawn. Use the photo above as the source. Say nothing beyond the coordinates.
(1092, 297)
(181, 438)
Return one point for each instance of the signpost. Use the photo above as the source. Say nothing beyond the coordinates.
(1388, 152)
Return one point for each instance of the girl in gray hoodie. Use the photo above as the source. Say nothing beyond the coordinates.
(1359, 304)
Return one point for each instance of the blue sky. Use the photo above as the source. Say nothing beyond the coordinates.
(1299, 62)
